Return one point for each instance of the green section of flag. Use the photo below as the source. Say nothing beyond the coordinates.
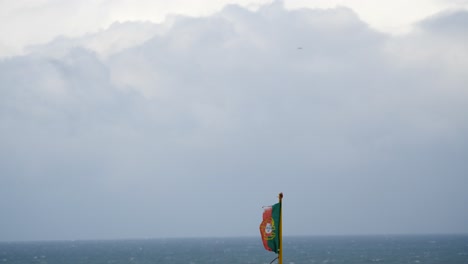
(274, 243)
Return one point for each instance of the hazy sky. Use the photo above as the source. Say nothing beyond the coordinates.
(144, 119)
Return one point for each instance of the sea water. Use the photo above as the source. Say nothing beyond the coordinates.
(443, 249)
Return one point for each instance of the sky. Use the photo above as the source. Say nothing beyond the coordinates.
(153, 119)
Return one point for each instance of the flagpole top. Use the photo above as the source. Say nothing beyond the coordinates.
(280, 196)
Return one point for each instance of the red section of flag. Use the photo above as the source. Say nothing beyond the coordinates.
(266, 223)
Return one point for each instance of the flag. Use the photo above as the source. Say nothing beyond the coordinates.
(270, 227)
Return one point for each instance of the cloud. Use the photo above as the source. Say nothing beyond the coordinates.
(447, 22)
(124, 132)
(28, 22)
(114, 39)
(446, 52)
(25, 23)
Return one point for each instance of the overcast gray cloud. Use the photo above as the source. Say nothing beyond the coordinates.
(32, 22)
(188, 127)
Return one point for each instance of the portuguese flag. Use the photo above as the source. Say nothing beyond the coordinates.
(270, 227)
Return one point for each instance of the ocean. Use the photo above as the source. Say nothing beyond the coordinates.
(443, 249)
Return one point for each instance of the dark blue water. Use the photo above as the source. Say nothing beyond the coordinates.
(337, 249)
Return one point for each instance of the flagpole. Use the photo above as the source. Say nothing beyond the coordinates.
(280, 251)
